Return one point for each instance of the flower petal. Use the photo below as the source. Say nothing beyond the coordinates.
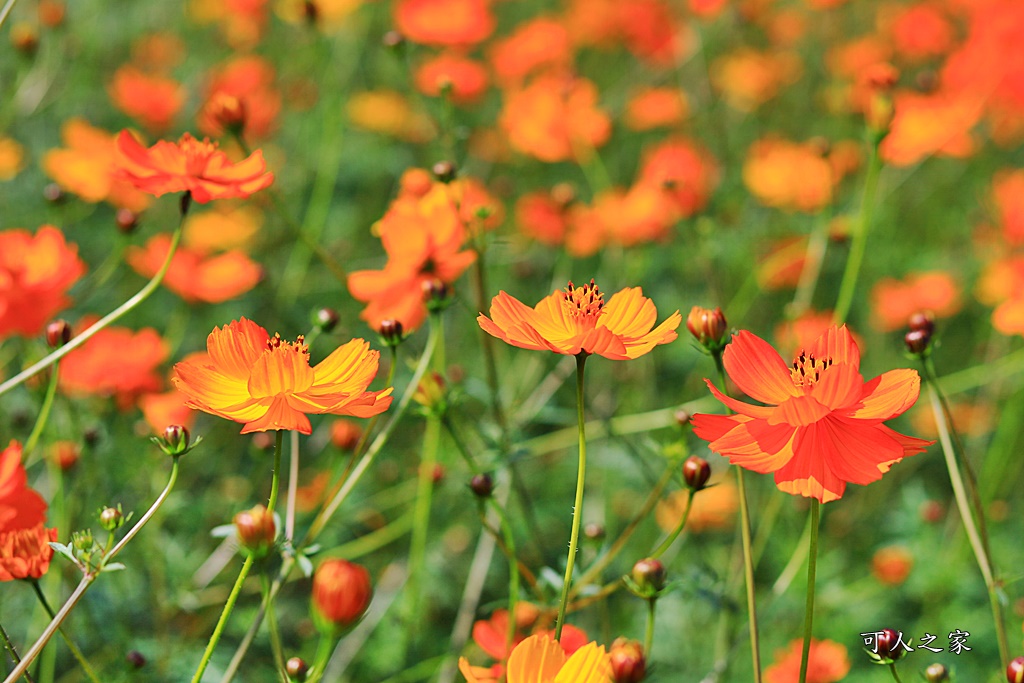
(235, 347)
(837, 344)
(280, 415)
(589, 664)
(798, 411)
(758, 370)
(285, 370)
(750, 443)
(888, 395)
(740, 407)
(535, 660)
(841, 385)
(629, 313)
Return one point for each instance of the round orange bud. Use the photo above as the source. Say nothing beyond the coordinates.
(445, 171)
(24, 38)
(648, 577)
(65, 454)
(696, 472)
(226, 111)
(326, 319)
(256, 530)
(345, 434)
(58, 333)
(708, 326)
(341, 594)
(892, 565)
(1015, 671)
(297, 669)
(936, 673)
(628, 662)
(391, 332)
(51, 13)
(127, 221)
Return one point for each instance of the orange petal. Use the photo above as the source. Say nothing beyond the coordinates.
(589, 664)
(841, 385)
(798, 411)
(758, 370)
(235, 347)
(662, 334)
(280, 415)
(629, 313)
(888, 395)
(535, 660)
(752, 444)
(837, 344)
(732, 404)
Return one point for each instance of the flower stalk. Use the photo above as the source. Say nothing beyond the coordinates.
(812, 567)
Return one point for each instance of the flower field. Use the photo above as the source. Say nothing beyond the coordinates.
(587, 341)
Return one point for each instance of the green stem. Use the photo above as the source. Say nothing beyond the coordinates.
(577, 510)
(222, 622)
(671, 538)
(44, 412)
(9, 646)
(106, 320)
(896, 676)
(748, 560)
(275, 634)
(649, 633)
(812, 566)
(513, 576)
(848, 285)
(421, 520)
(960, 495)
(275, 478)
(77, 653)
(323, 655)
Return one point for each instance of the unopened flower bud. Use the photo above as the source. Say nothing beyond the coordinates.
(391, 332)
(53, 193)
(25, 38)
(482, 485)
(393, 40)
(431, 392)
(345, 434)
(435, 294)
(444, 171)
(879, 114)
(437, 473)
(65, 454)
(226, 111)
(256, 530)
(708, 326)
(135, 659)
(917, 341)
(649, 577)
(175, 441)
(127, 221)
(341, 594)
(296, 668)
(922, 320)
(683, 417)
(937, 673)
(564, 195)
(888, 645)
(594, 531)
(111, 518)
(51, 13)
(326, 319)
(696, 472)
(627, 660)
(1015, 671)
(58, 333)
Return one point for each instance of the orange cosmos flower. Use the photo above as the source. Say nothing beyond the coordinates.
(35, 274)
(713, 509)
(444, 22)
(891, 565)
(12, 158)
(250, 82)
(826, 663)
(823, 426)
(685, 170)
(267, 383)
(224, 228)
(555, 118)
(1002, 285)
(656, 108)
(577, 321)
(241, 21)
(789, 175)
(465, 79)
(748, 79)
(85, 166)
(540, 659)
(644, 213)
(930, 124)
(894, 301)
(190, 166)
(1008, 193)
(115, 361)
(534, 45)
(151, 100)
(389, 112)
(195, 275)
(24, 540)
(920, 31)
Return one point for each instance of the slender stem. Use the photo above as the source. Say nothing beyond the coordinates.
(149, 513)
(323, 655)
(649, 633)
(77, 653)
(275, 478)
(293, 487)
(106, 320)
(812, 566)
(671, 538)
(44, 412)
(860, 235)
(275, 634)
(9, 646)
(513, 576)
(421, 521)
(960, 495)
(51, 628)
(896, 676)
(748, 560)
(222, 622)
(524, 571)
(8, 6)
(577, 510)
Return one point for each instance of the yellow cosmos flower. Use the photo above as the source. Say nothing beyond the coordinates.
(267, 383)
(540, 659)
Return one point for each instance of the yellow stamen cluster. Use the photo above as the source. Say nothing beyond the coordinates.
(298, 346)
(585, 301)
(807, 369)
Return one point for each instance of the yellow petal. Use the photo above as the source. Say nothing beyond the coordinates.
(285, 370)
(535, 660)
(589, 664)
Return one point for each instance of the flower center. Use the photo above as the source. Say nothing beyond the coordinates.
(586, 301)
(197, 153)
(275, 343)
(807, 369)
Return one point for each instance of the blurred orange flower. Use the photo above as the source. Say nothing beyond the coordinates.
(894, 301)
(12, 158)
(536, 44)
(465, 80)
(266, 383)
(195, 275)
(543, 217)
(555, 118)
(250, 81)
(1008, 194)
(444, 22)
(827, 662)
(713, 508)
(685, 170)
(823, 426)
(650, 31)
(643, 213)
(241, 21)
(190, 166)
(930, 124)
(151, 100)
(1002, 285)
(891, 565)
(390, 113)
(25, 552)
(328, 15)
(541, 659)
(919, 31)
(36, 271)
(747, 78)
(656, 108)
(800, 333)
(115, 361)
(787, 175)
(85, 167)
(782, 266)
(225, 227)
(577, 321)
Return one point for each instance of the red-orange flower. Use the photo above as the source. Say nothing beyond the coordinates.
(115, 361)
(823, 426)
(35, 274)
(267, 383)
(826, 663)
(250, 82)
(465, 79)
(541, 42)
(190, 165)
(24, 540)
(894, 301)
(788, 175)
(195, 275)
(685, 170)
(577, 321)
(444, 22)
(656, 108)
(151, 100)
